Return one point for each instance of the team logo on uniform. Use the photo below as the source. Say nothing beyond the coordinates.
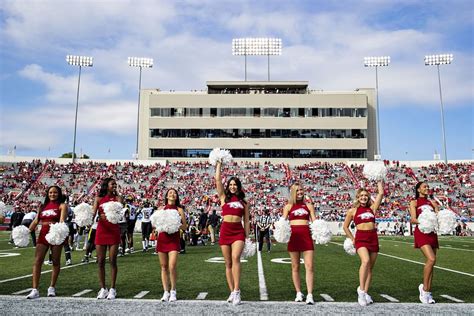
(235, 205)
(427, 208)
(300, 212)
(50, 213)
(366, 215)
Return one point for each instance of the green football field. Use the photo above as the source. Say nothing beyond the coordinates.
(201, 270)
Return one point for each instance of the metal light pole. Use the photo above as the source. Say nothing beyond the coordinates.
(442, 59)
(140, 63)
(261, 46)
(81, 61)
(377, 62)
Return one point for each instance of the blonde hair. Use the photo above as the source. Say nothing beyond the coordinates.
(356, 203)
(293, 189)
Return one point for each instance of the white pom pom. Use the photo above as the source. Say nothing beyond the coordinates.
(250, 248)
(428, 222)
(21, 236)
(57, 233)
(167, 221)
(320, 232)
(349, 247)
(113, 211)
(3, 209)
(282, 232)
(375, 170)
(83, 214)
(222, 155)
(446, 222)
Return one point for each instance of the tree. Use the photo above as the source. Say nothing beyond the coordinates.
(69, 155)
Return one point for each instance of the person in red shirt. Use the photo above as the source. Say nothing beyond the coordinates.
(366, 242)
(107, 236)
(53, 210)
(427, 243)
(232, 235)
(168, 248)
(299, 212)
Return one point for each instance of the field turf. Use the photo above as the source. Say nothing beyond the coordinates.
(336, 273)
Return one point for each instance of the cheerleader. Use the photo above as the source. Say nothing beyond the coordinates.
(298, 212)
(168, 248)
(232, 234)
(107, 236)
(366, 241)
(53, 210)
(427, 243)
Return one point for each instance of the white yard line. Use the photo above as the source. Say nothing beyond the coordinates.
(388, 297)
(201, 296)
(413, 261)
(141, 294)
(410, 243)
(261, 278)
(327, 298)
(47, 271)
(82, 293)
(22, 291)
(457, 300)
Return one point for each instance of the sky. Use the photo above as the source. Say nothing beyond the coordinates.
(324, 43)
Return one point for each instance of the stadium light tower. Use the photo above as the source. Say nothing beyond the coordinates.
(441, 59)
(377, 62)
(81, 61)
(260, 46)
(140, 63)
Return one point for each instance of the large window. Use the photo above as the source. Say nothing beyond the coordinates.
(257, 112)
(258, 133)
(264, 153)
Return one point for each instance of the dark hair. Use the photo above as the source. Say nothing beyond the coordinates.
(417, 186)
(104, 186)
(240, 194)
(177, 203)
(61, 197)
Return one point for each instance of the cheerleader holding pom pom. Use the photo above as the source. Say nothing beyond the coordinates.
(52, 213)
(233, 235)
(168, 220)
(423, 215)
(299, 213)
(366, 241)
(108, 204)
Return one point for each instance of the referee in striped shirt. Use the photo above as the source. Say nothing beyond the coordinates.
(264, 221)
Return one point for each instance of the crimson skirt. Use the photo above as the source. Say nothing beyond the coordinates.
(107, 234)
(422, 239)
(231, 232)
(168, 242)
(42, 236)
(367, 239)
(300, 239)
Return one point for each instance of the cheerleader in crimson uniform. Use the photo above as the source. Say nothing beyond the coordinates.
(107, 236)
(299, 213)
(427, 243)
(52, 211)
(366, 242)
(232, 234)
(168, 248)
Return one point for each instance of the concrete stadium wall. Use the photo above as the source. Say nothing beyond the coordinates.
(290, 161)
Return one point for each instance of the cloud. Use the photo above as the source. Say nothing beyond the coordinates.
(190, 42)
(61, 89)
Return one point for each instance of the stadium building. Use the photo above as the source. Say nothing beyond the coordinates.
(258, 119)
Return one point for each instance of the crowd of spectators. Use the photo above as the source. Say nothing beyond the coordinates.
(331, 186)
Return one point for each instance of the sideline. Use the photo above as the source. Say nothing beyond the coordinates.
(262, 287)
(413, 261)
(444, 247)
